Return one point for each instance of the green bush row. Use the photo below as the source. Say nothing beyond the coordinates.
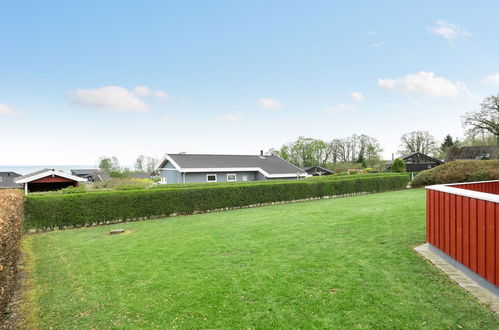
(74, 210)
(459, 171)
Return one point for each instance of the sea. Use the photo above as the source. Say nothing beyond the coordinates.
(26, 169)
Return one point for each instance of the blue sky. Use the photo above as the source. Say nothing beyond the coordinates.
(81, 79)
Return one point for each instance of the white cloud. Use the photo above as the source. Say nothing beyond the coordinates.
(231, 117)
(369, 32)
(492, 79)
(378, 44)
(146, 91)
(425, 83)
(6, 110)
(357, 96)
(340, 108)
(449, 31)
(110, 97)
(269, 103)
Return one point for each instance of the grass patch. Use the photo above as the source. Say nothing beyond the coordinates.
(338, 263)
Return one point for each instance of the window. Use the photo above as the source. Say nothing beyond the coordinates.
(211, 178)
(429, 166)
(245, 178)
(231, 177)
(162, 180)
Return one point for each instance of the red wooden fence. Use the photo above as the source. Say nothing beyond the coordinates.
(462, 220)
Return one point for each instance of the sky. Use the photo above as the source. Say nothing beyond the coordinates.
(84, 79)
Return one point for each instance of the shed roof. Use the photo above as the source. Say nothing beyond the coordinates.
(44, 173)
(270, 166)
(317, 169)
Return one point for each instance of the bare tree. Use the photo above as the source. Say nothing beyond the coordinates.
(418, 141)
(486, 120)
(151, 164)
(140, 163)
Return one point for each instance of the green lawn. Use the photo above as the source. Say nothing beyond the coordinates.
(338, 263)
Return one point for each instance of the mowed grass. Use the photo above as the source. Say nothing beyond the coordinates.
(337, 263)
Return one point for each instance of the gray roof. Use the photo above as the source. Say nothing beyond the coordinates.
(317, 169)
(33, 173)
(270, 164)
(478, 152)
(86, 171)
(7, 180)
(49, 171)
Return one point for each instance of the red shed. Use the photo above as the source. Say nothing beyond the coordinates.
(48, 179)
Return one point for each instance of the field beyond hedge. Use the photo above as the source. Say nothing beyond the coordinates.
(336, 263)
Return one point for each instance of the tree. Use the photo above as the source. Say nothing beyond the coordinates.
(448, 142)
(484, 120)
(446, 145)
(151, 164)
(398, 166)
(140, 163)
(105, 164)
(418, 141)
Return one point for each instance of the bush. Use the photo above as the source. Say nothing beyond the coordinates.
(459, 171)
(398, 166)
(11, 219)
(73, 210)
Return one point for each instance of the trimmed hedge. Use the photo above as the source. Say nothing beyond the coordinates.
(459, 171)
(11, 225)
(74, 210)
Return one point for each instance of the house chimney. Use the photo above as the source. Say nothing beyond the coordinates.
(261, 152)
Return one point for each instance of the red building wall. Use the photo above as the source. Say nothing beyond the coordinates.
(466, 228)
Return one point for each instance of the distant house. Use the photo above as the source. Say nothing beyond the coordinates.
(188, 168)
(140, 175)
(91, 175)
(417, 162)
(317, 170)
(476, 153)
(47, 179)
(7, 180)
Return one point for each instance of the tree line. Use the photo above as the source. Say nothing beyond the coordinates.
(111, 165)
(481, 128)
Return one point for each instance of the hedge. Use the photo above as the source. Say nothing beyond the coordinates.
(459, 171)
(11, 219)
(47, 212)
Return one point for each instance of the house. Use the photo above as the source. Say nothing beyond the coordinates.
(7, 180)
(477, 153)
(417, 162)
(47, 179)
(140, 175)
(91, 175)
(188, 168)
(317, 170)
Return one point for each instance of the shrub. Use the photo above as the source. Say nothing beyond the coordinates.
(72, 210)
(398, 166)
(11, 219)
(459, 171)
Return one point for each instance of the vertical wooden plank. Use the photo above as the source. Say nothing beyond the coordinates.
(459, 228)
(481, 237)
(435, 218)
(452, 225)
(428, 214)
(496, 253)
(441, 220)
(473, 235)
(432, 217)
(447, 224)
(490, 241)
(466, 232)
